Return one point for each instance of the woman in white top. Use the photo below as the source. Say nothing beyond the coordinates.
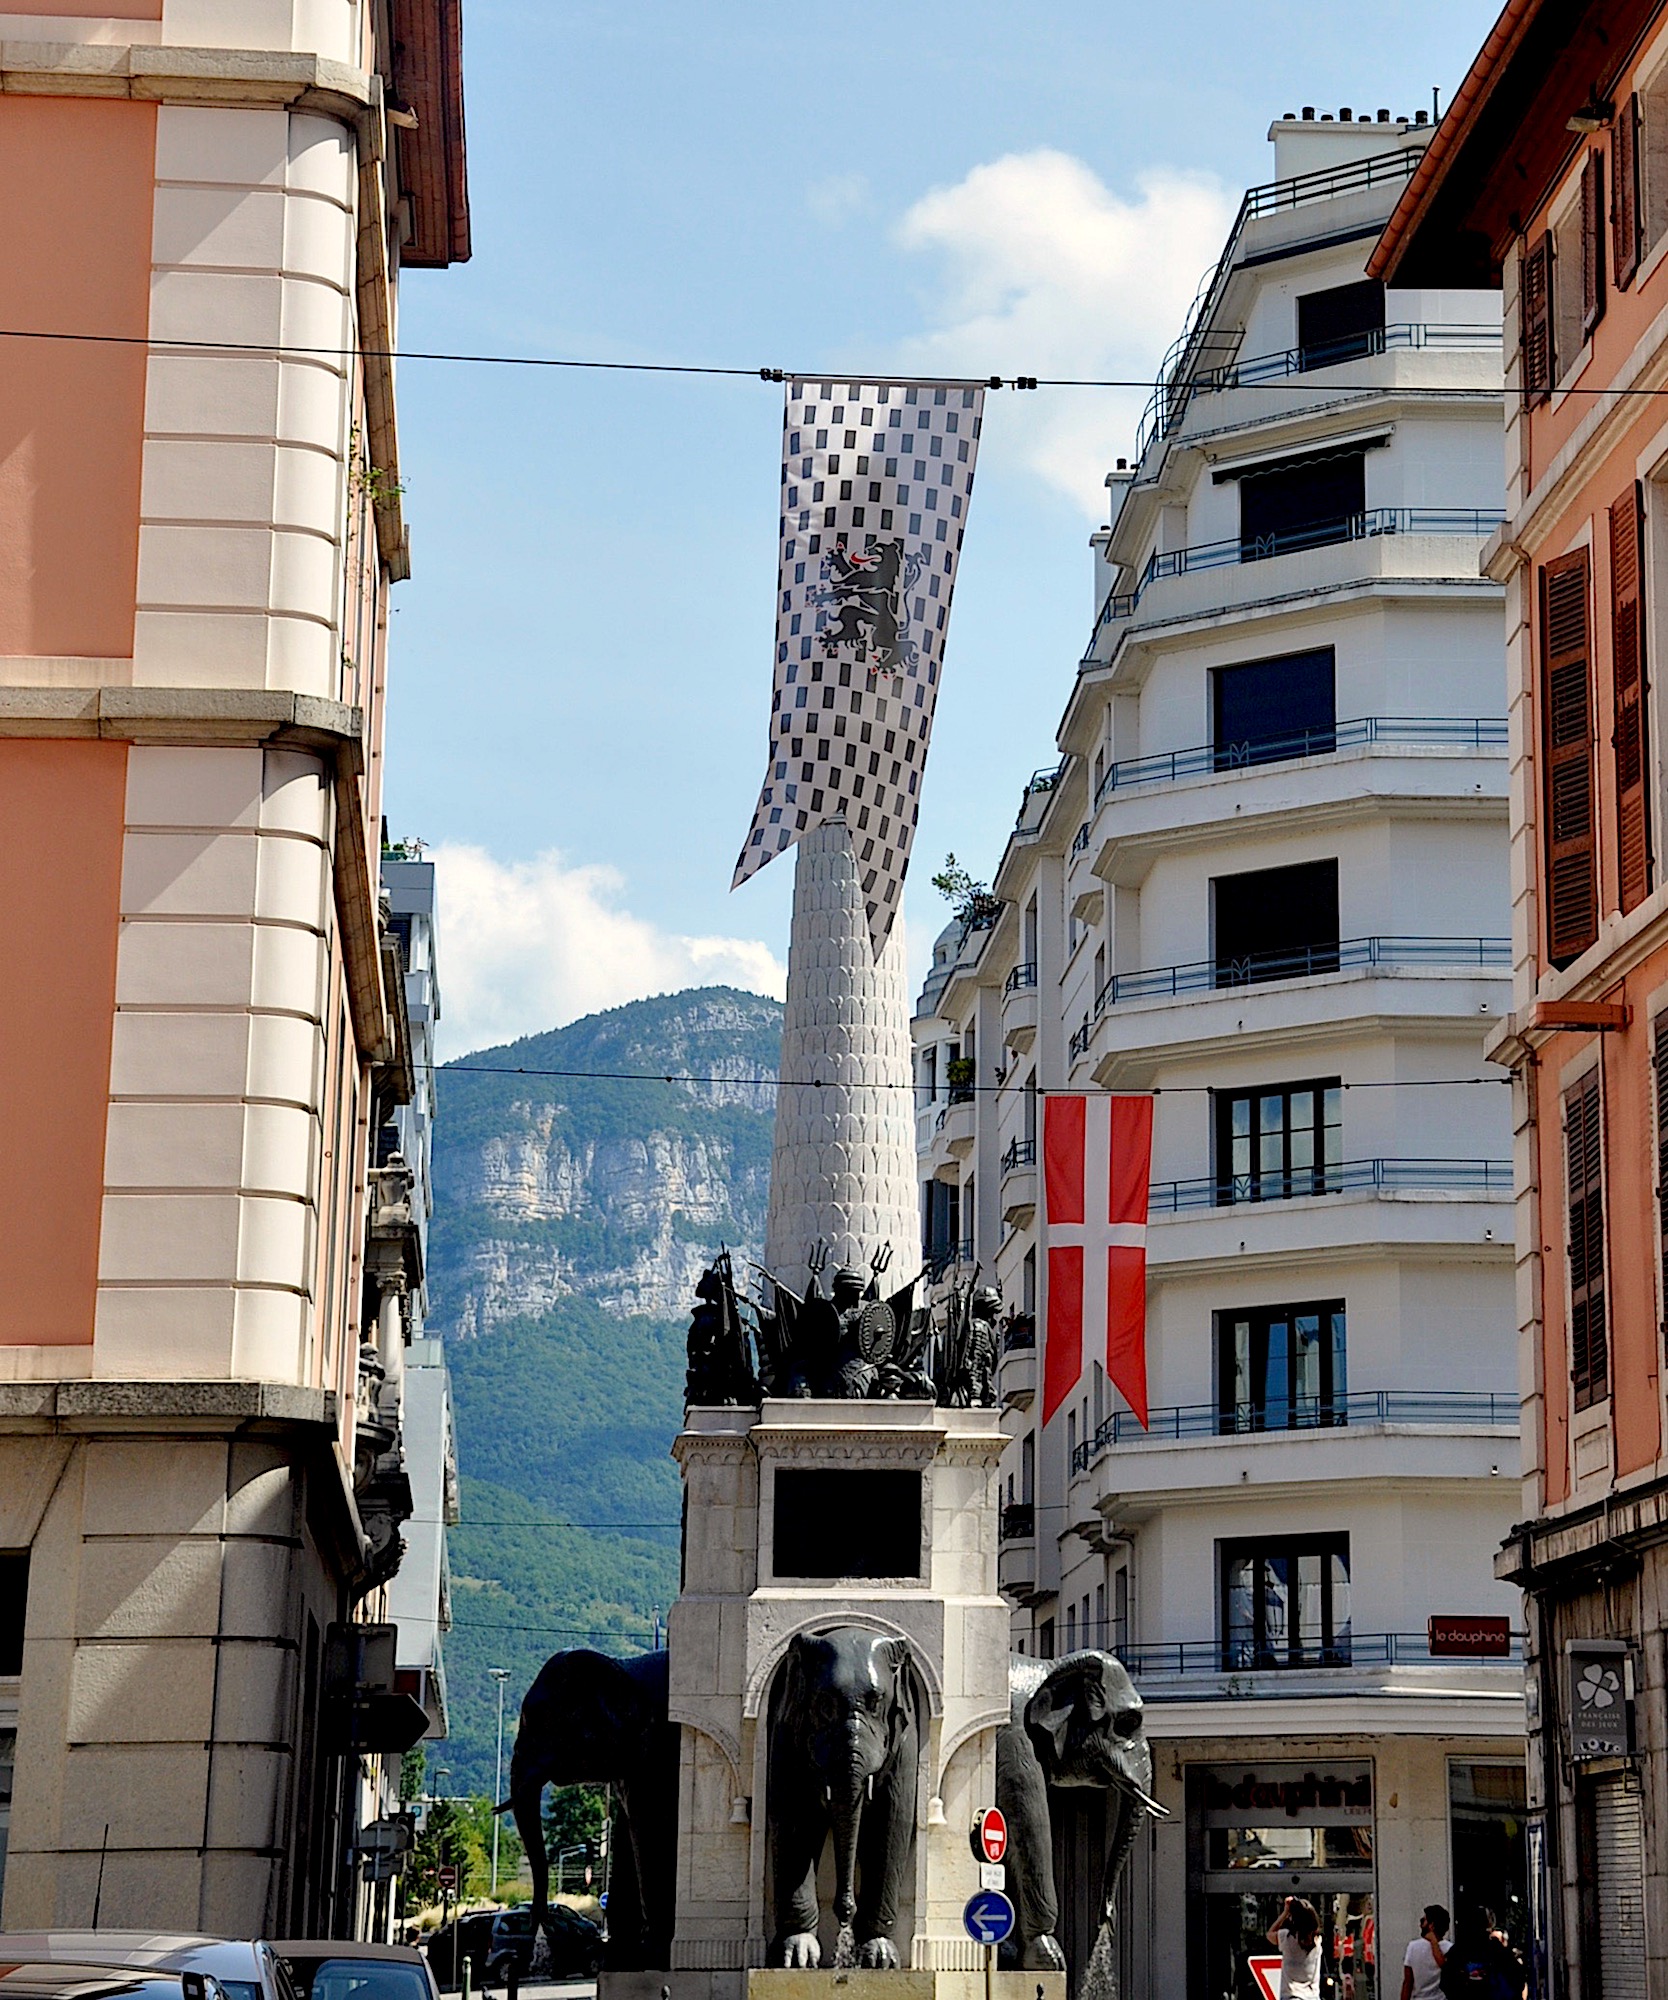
(1297, 1932)
(1422, 1967)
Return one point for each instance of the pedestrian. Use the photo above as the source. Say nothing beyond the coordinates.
(1297, 1932)
(1422, 1966)
(1480, 1964)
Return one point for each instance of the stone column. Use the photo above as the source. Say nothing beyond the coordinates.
(843, 1168)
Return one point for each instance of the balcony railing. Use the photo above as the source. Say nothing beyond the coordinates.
(1020, 1153)
(1019, 1521)
(1354, 1649)
(1080, 839)
(1020, 976)
(1081, 1038)
(1424, 732)
(942, 1257)
(1333, 353)
(1486, 1177)
(1304, 961)
(1020, 1333)
(1368, 526)
(1168, 401)
(1448, 1408)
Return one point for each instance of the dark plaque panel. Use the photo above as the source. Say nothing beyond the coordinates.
(840, 1524)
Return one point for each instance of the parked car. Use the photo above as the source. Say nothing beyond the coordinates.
(331, 1969)
(468, 1936)
(575, 1945)
(38, 1979)
(243, 1970)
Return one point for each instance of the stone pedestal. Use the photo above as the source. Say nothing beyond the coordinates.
(729, 1632)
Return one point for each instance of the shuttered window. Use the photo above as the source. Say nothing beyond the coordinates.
(1627, 643)
(1567, 755)
(1614, 1889)
(1592, 241)
(1626, 220)
(1535, 309)
(1584, 1204)
(1659, 1063)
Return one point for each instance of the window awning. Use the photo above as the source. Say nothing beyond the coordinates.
(1320, 453)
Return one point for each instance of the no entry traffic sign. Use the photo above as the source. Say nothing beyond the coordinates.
(989, 1917)
(990, 1835)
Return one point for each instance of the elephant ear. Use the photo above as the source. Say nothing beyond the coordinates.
(894, 1654)
(1049, 1712)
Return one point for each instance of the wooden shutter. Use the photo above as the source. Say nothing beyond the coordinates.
(1535, 311)
(1584, 1205)
(1627, 646)
(1625, 220)
(1567, 754)
(1592, 241)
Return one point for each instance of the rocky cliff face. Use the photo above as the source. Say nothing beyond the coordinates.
(607, 1160)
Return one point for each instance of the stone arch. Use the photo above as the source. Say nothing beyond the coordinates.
(753, 1696)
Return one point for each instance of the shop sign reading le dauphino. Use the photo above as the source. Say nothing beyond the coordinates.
(1232, 1797)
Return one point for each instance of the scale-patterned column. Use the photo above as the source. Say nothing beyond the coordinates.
(843, 1168)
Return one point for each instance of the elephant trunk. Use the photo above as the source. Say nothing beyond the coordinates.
(845, 1813)
(526, 1802)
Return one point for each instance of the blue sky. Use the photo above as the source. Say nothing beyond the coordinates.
(581, 662)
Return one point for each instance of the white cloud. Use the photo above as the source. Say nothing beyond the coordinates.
(1047, 271)
(531, 945)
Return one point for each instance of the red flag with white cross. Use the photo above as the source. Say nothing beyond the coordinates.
(1097, 1154)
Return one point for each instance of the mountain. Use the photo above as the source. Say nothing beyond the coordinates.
(573, 1213)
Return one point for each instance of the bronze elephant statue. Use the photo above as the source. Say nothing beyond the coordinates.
(844, 1751)
(591, 1720)
(1074, 1722)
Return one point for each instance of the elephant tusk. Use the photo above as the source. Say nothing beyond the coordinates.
(1146, 1800)
(871, 1786)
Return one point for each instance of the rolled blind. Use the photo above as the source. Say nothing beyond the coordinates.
(1535, 311)
(1627, 646)
(1624, 193)
(1584, 1204)
(1618, 1932)
(1567, 744)
(1659, 1062)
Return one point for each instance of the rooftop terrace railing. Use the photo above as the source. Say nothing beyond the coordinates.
(1303, 961)
(1370, 525)
(1422, 732)
(1447, 1408)
(1271, 198)
(1333, 353)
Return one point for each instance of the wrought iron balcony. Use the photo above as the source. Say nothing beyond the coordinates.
(1485, 1177)
(1020, 1333)
(1080, 839)
(1369, 525)
(1020, 1153)
(1441, 1408)
(1019, 1521)
(1021, 976)
(1304, 961)
(942, 1257)
(1420, 732)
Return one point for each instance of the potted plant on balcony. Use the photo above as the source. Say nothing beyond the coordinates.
(958, 1074)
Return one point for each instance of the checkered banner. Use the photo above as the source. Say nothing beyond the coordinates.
(875, 485)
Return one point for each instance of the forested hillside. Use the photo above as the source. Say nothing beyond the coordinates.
(572, 1215)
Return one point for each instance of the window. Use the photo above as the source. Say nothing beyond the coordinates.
(1120, 1608)
(929, 1072)
(1280, 1368)
(1285, 1602)
(1567, 763)
(1627, 647)
(1282, 1141)
(1627, 219)
(970, 1208)
(1045, 1640)
(1301, 505)
(1275, 923)
(1269, 709)
(1487, 1809)
(1652, 158)
(1028, 1283)
(1567, 337)
(1029, 930)
(1100, 1616)
(942, 1222)
(1100, 972)
(1535, 320)
(8, 1759)
(1584, 1204)
(1659, 1062)
(1071, 1628)
(1341, 323)
(14, 1601)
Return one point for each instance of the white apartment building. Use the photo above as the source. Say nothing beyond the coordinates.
(1266, 879)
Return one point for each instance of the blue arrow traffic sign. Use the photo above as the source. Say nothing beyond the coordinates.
(989, 1917)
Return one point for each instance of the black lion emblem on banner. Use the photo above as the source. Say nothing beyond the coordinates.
(865, 592)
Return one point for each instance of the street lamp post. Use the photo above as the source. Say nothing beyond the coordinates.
(500, 1675)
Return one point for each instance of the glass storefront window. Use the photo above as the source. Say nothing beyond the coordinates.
(1290, 1847)
(8, 1757)
(1237, 1931)
(1487, 1815)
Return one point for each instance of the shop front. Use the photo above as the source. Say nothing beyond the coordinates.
(1260, 1833)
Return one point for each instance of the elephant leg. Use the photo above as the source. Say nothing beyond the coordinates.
(799, 1833)
(1022, 1794)
(884, 1847)
(526, 1804)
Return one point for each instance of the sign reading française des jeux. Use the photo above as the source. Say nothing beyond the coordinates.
(1335, 1795)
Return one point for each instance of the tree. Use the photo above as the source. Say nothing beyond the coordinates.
(576, 1818)
(971, 900)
